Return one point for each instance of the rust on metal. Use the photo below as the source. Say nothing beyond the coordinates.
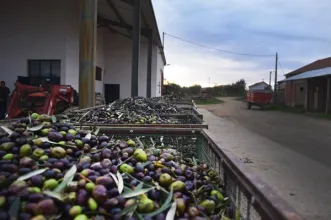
(87, 53)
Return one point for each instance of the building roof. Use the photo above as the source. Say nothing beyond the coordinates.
(318, 64)
(255, 84)
(117, 15)
(310, 74)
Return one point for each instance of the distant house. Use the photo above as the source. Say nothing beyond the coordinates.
(309, 86)
(259, 86)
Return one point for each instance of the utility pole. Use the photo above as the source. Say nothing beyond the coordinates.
(270, 78)
(275, 88)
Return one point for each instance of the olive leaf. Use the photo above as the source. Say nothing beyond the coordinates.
(68, 177)
(120, 182)
(36, 128)
(164, 206)
(53, 117)
(88, 136)
(140, 186)
(127, 210)
(195, 162)
(172, 212)
(140, 143)
(114, 177)
(138, 216)
(45, 139)
(30, 121)
(96, 164)
(147, 163)
(136, 192)
(31, 174)
(14, 208)
(96, 131)
(7, 130)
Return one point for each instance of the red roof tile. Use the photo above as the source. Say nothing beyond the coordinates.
(318, 64)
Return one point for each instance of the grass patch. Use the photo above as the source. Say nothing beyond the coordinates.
(208, 101)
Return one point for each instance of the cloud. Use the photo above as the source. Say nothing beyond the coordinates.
(297, 30)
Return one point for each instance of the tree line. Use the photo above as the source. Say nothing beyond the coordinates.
(235, 89)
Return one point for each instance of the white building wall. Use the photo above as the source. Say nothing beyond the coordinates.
(31, 30)
(48, 29)
(100, 62)
(154, 70)
(159, 70)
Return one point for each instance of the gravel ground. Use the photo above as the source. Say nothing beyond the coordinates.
(289, 152)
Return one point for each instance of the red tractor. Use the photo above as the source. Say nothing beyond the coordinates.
(47, 99)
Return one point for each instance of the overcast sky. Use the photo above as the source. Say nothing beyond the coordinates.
(299, 30)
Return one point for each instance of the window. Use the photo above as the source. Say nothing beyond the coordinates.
(39, 70)
(44, 68)
(98, 72)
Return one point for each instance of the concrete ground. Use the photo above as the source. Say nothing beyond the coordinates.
(290, 152)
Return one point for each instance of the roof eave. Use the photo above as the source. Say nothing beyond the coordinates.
(158, 34)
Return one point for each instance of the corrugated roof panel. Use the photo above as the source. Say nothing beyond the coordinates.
(311, 74)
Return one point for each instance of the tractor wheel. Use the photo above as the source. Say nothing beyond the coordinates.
(249, 105)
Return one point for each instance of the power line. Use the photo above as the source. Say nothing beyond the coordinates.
(281, 67)
(213, 48)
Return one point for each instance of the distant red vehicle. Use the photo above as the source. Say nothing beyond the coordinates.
(258, 98)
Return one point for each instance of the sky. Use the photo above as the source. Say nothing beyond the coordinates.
(298, 30)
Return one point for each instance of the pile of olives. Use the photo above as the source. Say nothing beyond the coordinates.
(52, 170)
(137, 110)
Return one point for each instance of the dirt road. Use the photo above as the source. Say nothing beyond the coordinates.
(292, 153)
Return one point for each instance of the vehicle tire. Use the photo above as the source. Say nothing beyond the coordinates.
(249, 105)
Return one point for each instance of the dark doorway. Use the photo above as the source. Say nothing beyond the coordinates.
(112, 92)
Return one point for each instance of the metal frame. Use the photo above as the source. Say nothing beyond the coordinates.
(248, 194)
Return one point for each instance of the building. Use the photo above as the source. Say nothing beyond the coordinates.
(309, 86)
(41, 39)
(259, 86)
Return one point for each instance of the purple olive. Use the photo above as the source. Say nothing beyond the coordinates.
(139, 168)
(113, 192)
(96, 167)
(160, 216)
(140, 175)
(12, 168)
(31, 208)
(93, 178)
(189, 174)
(113, 169)
(154, 194)
(105, 181)
(106, 163)
(178, 172)
(100, 193)
(58, 165)
(35, 197)
(151, 158)
(103, 138)
(103, 144)
(24, 170)
(81, 197)
(122, 144)
(106, 153)
(147, 179)
(133, 182)
(47, 207)
(110, 203)
(165, 170)
(24, 216)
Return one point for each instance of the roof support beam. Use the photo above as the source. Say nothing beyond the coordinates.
(87, 53)
(118, 15)
(135, 47)
(106, 22)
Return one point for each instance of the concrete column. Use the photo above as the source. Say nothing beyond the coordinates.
(306, 96)
(135, 47)
(87, 53)
(327, 96)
